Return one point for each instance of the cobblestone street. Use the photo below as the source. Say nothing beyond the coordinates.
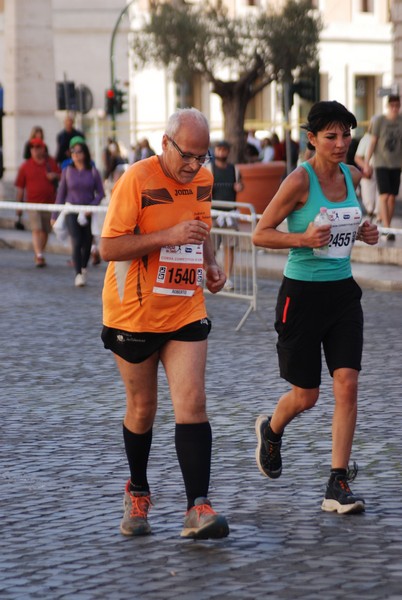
(63, 467)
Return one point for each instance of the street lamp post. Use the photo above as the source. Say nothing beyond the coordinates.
(286, 93)
(112, 76)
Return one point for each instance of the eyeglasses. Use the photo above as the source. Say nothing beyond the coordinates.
(190, 158)
(36, 147)
(76, 151)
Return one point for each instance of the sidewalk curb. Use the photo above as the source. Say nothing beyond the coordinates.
(53, 246)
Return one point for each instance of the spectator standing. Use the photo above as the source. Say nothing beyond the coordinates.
(386, 147)
(368, 184)
(142, 150)
(350, 158)
(319, 303)
(80, 183)
(36, 133)
(251, 151)
(294, 154)
(267, 151)
(64, 138)
(156, 237)
(227, 182)
(254, 140)
(36, 183)
(112, 158)
(278, 146)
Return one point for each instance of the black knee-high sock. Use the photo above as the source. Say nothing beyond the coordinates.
(193, 447)
(138, 446)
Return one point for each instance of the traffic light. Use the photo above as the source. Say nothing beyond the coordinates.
(110, 101)
(308, 87)
(121, 98)
(66, 95)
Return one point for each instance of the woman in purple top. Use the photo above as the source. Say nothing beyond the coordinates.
(80, 183)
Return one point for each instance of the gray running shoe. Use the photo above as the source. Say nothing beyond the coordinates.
(136, 506)
(267, 453)
(202, 522)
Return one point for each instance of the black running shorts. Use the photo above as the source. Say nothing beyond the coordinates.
(137, 347)
(388, 180)
(315, 315)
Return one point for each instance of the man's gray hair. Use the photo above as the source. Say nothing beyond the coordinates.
(183, 114)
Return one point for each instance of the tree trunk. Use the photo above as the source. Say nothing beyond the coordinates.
(235, 97)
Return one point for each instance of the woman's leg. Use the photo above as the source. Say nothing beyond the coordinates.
(345, 386)
(291, 404)
(86, 243)
(74, 230)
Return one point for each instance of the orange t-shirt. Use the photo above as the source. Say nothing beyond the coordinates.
(159, 292)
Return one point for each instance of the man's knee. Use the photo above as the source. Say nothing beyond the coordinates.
(140, 414)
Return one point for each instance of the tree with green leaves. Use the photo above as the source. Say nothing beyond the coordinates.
(188, 39)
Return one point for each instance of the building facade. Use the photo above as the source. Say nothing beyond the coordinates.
(43, 42)
(356, 54)
(47, 41)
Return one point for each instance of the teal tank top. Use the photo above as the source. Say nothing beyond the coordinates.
(302, 263)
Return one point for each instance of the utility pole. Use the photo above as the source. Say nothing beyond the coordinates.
(396, 18)
(111, 56)
(286, 102)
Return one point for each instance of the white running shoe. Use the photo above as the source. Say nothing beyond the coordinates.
(79, 280)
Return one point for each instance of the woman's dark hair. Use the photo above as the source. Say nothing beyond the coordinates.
(87, 156)
(328, 112)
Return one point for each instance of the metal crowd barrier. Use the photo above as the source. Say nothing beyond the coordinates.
(244, 276)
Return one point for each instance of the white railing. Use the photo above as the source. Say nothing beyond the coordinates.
(52, 207)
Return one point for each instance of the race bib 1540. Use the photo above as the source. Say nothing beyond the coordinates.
(180, 270)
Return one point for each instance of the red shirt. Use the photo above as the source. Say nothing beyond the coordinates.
(32, 177)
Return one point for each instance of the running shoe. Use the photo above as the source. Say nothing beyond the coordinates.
(339, 497)
(79, 280)
(40, 261)
(267, 453)
(202, 522)
(136, 506)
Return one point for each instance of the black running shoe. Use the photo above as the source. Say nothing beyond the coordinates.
(267, 453)
(340, 498)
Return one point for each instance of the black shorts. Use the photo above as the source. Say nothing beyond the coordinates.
(311, 315)
(388, 180)
(137, 347)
